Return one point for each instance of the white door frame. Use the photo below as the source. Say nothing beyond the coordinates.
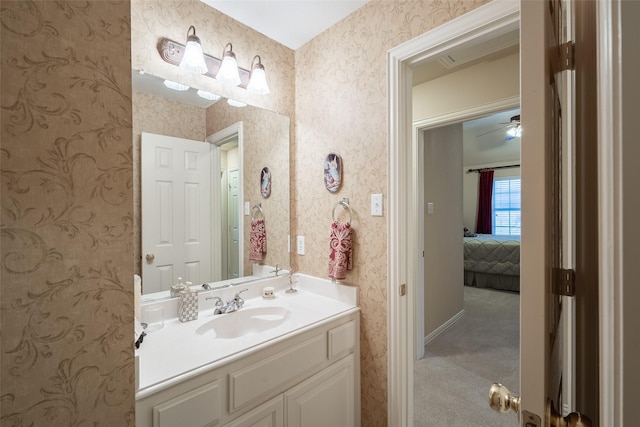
(217, 139)
(493, 17)
(611, 222)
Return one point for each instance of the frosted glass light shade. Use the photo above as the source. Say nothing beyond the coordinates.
(207, 95)
(175, 85)
(193, 58)
(235, 103)
(258, 82)
(228, 73)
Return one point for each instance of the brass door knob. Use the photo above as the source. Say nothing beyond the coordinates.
(574, 419)
(501, 399)
(150, 257)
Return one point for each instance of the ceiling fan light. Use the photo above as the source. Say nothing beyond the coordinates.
(193, 58)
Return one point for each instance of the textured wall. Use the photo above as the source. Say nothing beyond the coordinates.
(66, 218)
(158, 115)
(265, 143)
(341, 105)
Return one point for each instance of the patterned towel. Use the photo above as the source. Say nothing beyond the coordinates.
(341, 257)
(257, 240)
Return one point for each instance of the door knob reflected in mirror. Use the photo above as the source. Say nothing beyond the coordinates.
(150, 257)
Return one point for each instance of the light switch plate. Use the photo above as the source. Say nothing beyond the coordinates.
(300, 245)
(376, 205)
(430, 208)
(247, 208)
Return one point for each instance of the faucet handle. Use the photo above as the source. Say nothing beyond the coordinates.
(218, 304)
(238, 300)
(239, 292)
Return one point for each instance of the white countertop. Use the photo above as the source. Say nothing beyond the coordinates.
(178, 351)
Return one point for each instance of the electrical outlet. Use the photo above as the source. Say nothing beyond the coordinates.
(300, 245)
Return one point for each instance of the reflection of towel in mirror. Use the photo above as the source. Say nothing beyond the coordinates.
(257, 240)
(341, 256)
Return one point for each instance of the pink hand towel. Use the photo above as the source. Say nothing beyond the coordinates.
(341, 256)
(257, 240)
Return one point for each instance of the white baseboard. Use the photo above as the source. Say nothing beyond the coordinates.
(446, 325)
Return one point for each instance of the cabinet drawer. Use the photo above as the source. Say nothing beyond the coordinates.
(197, 408)
(262, 377)
(342, 340)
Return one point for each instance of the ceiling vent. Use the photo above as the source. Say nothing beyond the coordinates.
(459, 56)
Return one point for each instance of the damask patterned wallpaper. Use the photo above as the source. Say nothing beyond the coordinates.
(341, 106)
(66, 217)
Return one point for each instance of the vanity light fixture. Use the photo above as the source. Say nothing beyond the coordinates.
(225, 70)
(207, 95)
(193, 58)
(258, 81)
(235, 103)
(175, 85)
(228, 72)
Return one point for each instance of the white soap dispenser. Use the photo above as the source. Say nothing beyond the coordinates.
(177, 288)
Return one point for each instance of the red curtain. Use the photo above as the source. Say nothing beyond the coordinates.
(485, 189)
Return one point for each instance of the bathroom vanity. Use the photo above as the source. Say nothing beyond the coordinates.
(292, 360)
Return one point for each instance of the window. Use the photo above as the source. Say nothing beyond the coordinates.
(506, 206)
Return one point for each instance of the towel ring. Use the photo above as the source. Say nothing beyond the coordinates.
(257, 208)
(345, 204)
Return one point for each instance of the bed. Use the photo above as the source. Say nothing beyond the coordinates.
(492, 261)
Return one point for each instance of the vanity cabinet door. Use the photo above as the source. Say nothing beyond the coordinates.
(196, 408)
(269, 414)
(325, 399)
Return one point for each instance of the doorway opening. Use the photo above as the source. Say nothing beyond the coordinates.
(227, 202)
(467, 320)
(405, 253)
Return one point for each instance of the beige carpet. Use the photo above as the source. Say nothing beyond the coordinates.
(451, 384)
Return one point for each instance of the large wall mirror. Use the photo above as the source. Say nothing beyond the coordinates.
(199, 168)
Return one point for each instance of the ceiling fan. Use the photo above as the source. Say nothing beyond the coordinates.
(514, 129)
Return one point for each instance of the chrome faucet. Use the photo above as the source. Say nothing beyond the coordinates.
(232, 305)
(276, 270)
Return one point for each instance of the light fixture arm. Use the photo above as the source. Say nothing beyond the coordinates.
(192, 36)
(258, 65)
(229, 52)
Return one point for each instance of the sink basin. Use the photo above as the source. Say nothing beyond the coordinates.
(245, 321)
